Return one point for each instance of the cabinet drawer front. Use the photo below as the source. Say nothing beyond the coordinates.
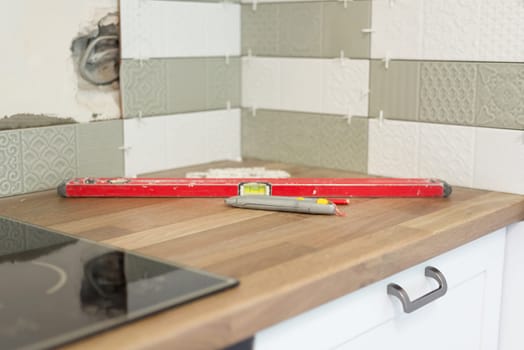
(476, 265)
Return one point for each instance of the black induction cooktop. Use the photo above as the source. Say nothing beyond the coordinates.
(55, 288)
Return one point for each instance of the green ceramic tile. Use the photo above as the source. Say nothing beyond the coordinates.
(300, 29)
(306, 138)
(342, 29)
(259, 29)
(186, 84)
(394, 90)
(178, 85)
(98, 148)
(49, 155)
(11, 174)
(500, 95)
(447, 92)
(143, 87)
(223, 82)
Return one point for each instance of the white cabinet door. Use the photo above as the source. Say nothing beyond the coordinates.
(466, 317)
(512, 313)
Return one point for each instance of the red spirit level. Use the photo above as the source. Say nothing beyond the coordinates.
(305, 187)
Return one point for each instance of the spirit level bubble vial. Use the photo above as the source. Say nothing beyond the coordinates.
(254, 188)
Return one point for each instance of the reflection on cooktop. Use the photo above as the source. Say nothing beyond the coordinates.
(57, 288)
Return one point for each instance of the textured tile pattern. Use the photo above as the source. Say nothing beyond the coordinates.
(500, 96)
(465, 30)
(98, 148)
(307, 29)
(49, 156)
(40, 158)
(11, 175)
(179, 85)
(307, 85)
(447, 92)
(143, 87)
(501, 31)
(461, 93)
(156, 29)
(450, 29)
(289, 137)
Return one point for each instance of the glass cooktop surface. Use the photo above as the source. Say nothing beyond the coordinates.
(57, 288)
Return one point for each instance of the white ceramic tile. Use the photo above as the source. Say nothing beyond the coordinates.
(223, 135)
(222, 29)
(178, 20)
(195, 138)
(446, 152)
(393, 147)
(179, 29)
(489, 30)
(145, 141)
(397, 28)
(499, 160)
(451, 29)
(261, 82)
(345, 87)
(301, 84)
(502, 30)
(307, 85)
(135, 29)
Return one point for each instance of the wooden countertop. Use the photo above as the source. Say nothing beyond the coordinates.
(286, 263)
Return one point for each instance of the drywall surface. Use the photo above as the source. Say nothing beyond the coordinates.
(37, 70)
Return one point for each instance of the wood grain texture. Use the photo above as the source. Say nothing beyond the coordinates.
(286, 263)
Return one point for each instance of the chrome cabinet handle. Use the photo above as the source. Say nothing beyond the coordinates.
(410, 306)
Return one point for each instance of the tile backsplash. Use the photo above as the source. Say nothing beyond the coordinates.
(163, 29)
(306, 138)
(407, 88)
(439, 84)
(467, 30)
(38, 159)
(179, 85)
(308, 29)
(462, 155)
(306, 84)
(463, 93)
(171, 141)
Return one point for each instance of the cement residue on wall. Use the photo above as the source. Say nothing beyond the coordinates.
(22, 121)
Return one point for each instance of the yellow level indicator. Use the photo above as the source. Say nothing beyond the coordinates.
(254, 188)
